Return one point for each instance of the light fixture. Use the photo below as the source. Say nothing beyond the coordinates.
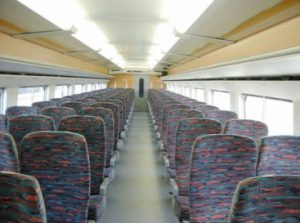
(70, 14)
(65, 15)
(181, 14)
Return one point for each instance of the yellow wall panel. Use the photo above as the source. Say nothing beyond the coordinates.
(23, 50)
(283, 36)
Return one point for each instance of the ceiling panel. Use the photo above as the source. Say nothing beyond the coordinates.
(130, 26)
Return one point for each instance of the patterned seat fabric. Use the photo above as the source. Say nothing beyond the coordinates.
(267, 199)
(58, 113)
(108, 119)
(171, 122)
(8, 153)
(22, 125)
(77, 106)
(21, 199)
(60, 101)
(205, 109)
(221, 115)
(87, 101)
(218, 163)
(186, 133)
(92, 128)
(15, 111)
(115, 110)
(60, 162)
(250, 128)
(44, 104)
(3, 123)
(279, 155)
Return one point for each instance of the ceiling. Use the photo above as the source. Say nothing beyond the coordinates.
(130, 26)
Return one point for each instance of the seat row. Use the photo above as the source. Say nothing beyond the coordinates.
(72, 160)
(207, 152)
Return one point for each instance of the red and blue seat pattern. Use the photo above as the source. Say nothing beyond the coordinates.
(187, 131)
(44, 104)
(218, 163)
(15, 111)
(22, 125)
(267, 199)
(77, 106)
(60, 162)
(21, 199)
(9, 160)
(57, 113)
(279, 155)
(221, 115)
(3, 123)
(251, 128)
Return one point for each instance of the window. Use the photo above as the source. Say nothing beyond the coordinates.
(221, 99)
(276, 113)
(28, 95)
(187, 92)
(61, 91)
(198, 94)
(83, 88)
(1, 100)
(88, 87)
(78, 89)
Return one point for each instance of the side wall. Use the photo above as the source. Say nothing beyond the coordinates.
(23, 50)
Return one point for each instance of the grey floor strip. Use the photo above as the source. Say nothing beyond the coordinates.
(140, 193)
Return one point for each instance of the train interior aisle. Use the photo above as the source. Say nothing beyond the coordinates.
(140, 192)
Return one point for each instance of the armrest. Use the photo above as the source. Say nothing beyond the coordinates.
(103, 186)
(120, 144)
(166, 160)
(113, 160)
(174, 186)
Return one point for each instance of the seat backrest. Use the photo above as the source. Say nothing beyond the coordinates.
(165, 116)
(60, 101)
(204, 109)
(21, 199)
(266, 199)
(171, 122)
(3, 123)
(92, 128)
(221, 115)
(15, 111)
(279, 155)
(115, 110)
(44, 104)
(58, 113)
(8, 153)
(22, 125)
(77, 106)
(87, 101)
(186, 133)
(109, 124)
(60, 162)
(218, 163)
(250, 128)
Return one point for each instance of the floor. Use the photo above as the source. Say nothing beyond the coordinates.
(140, 193)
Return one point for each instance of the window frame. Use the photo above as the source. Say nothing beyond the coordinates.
(264, 105)
(44, 87)
(68, 90)
(220, 91)
(2, 100)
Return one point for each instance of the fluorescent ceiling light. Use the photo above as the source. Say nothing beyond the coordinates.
(68, 14)
(64, 14)
(181, 15)
(108, 51)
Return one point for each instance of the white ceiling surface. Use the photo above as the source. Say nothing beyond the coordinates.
(130, 25)
(222, 17)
